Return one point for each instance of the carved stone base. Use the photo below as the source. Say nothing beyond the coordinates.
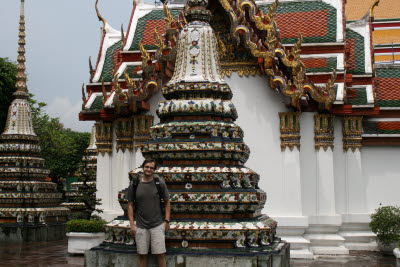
(291, 229)
(31, 232)
(278, 255)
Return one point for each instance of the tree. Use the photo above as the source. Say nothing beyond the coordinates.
(87, 191)
(8, 72)
(62, 148)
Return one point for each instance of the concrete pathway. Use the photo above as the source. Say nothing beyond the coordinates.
(54, 254)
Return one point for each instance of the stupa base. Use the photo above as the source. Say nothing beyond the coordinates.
(277, 254)
(16, 232)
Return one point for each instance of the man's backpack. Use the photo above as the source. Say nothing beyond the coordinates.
(160, 192)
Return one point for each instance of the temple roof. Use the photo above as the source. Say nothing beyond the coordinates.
(315, 20)
(388, 86)
(357, 9)
(324, 46)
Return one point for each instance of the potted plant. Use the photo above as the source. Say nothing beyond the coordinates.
(385, 223)
(84, 234)
(85, 230)
(396, 253)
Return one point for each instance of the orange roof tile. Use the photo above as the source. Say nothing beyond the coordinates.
(356, 9)
(386, 36)
(386, 58)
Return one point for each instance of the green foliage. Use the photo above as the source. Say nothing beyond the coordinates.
(88, 226)
(8, 72)
(62, 148)
(385, 223)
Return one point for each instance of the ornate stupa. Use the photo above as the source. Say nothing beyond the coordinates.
(28, 203)
(215, 199)
(89, 161)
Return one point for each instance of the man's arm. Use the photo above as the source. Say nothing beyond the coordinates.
(131, 216)
(167, 213)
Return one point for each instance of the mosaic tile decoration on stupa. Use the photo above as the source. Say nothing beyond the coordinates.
(26, 198)
(215, 199)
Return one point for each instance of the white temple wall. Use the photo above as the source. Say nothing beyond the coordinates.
(381, 170)
(308, 163)
(339, 170)
(258, 106)
(104, 182)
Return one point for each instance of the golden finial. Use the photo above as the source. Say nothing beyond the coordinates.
(104, 91)
(145, 55)
(371, 10)
(122, 36)
(296, 50)
(83, 96)
(330, 85)
(91, 70)
(183, 17)
(272, 12)
(160, 43)
(128, 80)
(99, 16)
(168, 17)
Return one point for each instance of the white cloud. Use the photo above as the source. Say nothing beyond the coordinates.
(68, 113)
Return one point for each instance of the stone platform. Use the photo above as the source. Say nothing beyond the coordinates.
(15, 233)
(277, 255)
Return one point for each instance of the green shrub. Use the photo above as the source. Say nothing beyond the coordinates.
(385, 223)
(94, 226)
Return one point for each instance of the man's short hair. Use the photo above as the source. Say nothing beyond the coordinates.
(149, 160)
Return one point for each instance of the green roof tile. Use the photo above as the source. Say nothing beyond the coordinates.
(132, 72)
(370, 127)
(97, 104)
(388, 72)
(360, 97)
(356, 60)
(154, 18)
(108, 62)
(388, 103)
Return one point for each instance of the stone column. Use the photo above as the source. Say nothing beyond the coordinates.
(292, 224)
(325, 223)
(124, 131)
(355, 227)
(104, 183)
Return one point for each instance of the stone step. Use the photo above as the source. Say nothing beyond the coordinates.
(325, 239)
(296, 242)
(329, 250)
(358, 236)
(371, 246)
(301, 254)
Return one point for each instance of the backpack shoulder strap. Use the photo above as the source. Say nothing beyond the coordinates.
(135, 183)
(158, 185)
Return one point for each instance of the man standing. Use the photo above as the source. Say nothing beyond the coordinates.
(150, 225)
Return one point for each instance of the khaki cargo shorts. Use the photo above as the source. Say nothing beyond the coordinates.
(155, 236)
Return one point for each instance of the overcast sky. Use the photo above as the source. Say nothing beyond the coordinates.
(60, 37)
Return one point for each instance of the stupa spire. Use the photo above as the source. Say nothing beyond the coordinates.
(19, 119)
(20, 85)
(27, 200)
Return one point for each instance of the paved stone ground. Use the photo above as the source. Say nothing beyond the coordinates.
(55, 254)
